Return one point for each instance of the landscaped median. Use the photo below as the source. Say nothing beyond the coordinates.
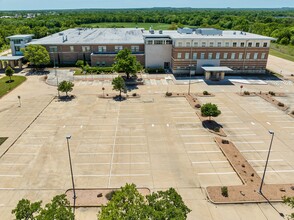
(6, 86)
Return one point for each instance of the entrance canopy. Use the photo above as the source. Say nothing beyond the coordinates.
(217, 69)
(215, 72)
(10, 58)
(12, 61)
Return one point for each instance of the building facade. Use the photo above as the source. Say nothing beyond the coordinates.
(182, 51)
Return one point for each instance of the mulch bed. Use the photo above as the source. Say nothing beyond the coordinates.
(202, 95)
(269, 98)
(211, 125)
(172, 95)
(249, 192)
(95, 197)
(115, 96)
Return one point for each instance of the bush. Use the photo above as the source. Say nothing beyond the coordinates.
(281, 104)
(224, 191)
(216, 129)
(197, 106)
(292, 112)
(134, 94)
(206, 93)
(271, 93)
(80, 63)
(154, 70)
(98, 70)
(168, 94)
(246, 93)
(225, 141)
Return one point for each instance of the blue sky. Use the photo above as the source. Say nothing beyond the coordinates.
(68, 4)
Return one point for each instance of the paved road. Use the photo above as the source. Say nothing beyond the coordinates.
(281, 66)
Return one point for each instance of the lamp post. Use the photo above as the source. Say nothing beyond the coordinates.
(269, 151)
(19, 100)
(68, 137)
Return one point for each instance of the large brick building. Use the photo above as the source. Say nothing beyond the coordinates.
(182, 51)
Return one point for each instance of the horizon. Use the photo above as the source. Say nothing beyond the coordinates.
(33, 5)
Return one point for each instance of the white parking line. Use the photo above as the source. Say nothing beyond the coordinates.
(195, 135)
(284, 121)
(188, 129)
(192, 143)
(274, 160)
(274, 116)
(14, 164)
(112, 175)
(268, 123)
(248, 151)
(203, 152)
(241, 135)
(10, 175)
(277, 171)
(231, 129)
(135, 163)
(112, 153)
(187, 123)
(21, 153)
(248, 142)
(207, 162)
(218, 173)
(129, 144)
(287, 127)
(185, 117)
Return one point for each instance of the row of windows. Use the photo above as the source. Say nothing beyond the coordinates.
(218, 56)
(222, 44)
(158, 42)
(101, 49)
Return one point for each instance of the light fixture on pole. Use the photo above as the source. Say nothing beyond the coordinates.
(269, 151)
(68, 137)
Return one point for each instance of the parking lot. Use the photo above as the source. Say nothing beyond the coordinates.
(152, 141)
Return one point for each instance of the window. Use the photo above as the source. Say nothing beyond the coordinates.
(227, 44)
(255, 56)
(17, 41)
(263, 56)
(202, 56)
(217, 56)
(180, 44)
(257, 44)
(101, 49)
(71, 48)
(53, 49)
(168, 42)
(195, 44)
(85, 48)
(233, 56)
(187, 56)
(225, 55)
(209, 56)
(211, 44)
(149, 42)
(188, 44)
(135, 48)
(248, 56)
(264, 44)
(242, 44)
(250, 44)
(118, 48)
(203, 44)
(179, 55)
(158, 41)
(240, 56)
(219, 44)
(17, 48)
(234, 44)
(194, 56)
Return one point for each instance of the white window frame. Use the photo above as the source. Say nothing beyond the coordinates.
(263, 55)
(217, 55)
(210, 56)
(135, 48)
(86, 48)
(225, 56)
(248, 56)
(255, 56)
(233, 56)
(240, 56)
(179, 56)
(187, 56)
(202, 56)
(118, 48)
(194, 56)
(53, 49)
(101, 49)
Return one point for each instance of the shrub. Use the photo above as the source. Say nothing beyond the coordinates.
(246, 93)
(224, 191)
(206, 93)
(216, 129)
(271, 93)
(197, 106)
(168, 94)
(98, 70)
(225, 141)
(281, 104)
(154, 70)
(80, 63)
(292, 112)
(134, 94)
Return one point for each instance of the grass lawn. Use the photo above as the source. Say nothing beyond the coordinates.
(282, 51)
(7, 87)
(146, 26)
(2, 139)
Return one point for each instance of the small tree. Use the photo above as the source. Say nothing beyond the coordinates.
(210, 110)
(127, 63)
(9, 72)
(25, 210)
(80, 63)
(65, 86)
(290, 202)
(128, 203)
(36, 55)
(119, 85)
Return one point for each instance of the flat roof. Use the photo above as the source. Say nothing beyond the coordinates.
(216, 68)
(92, 36)
(20, 36)
(10, 58)
(227, 34)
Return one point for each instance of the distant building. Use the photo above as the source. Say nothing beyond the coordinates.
(183, 51)
(17, 42)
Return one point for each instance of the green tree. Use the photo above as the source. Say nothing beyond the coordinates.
(59, 208)
(127, 63)
(128, 203)
(37, 55)
(119, 85)
(290, 202)
(210, 110)
(25, 210)
(65, 86)
(9, 72)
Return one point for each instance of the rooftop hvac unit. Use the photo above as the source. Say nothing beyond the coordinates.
(160, 31)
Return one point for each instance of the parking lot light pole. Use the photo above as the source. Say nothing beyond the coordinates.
(269, 151)
(71, 172)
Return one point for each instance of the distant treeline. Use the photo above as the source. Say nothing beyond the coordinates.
(277, 23)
